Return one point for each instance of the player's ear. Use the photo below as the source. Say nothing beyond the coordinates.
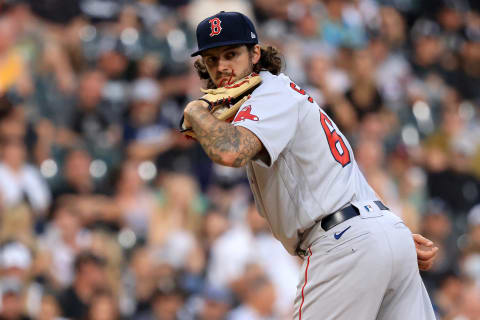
(256, 53)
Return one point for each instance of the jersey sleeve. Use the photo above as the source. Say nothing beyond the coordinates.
(273, 118)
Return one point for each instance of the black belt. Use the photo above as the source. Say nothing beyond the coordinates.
(334, 219)
(338, 217)
(346, 213)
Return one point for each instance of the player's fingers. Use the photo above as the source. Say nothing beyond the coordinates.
(425, 255)
(424, 266)
(421, 240)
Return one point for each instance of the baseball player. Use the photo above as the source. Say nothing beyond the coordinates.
(360, 260)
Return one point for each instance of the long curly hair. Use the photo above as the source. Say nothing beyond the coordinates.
(270, 60)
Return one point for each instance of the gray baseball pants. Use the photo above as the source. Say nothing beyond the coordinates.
(369, 272)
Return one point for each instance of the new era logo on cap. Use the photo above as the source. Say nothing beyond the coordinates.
(225, 29)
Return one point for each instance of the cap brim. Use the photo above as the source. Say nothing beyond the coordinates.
(221, 44)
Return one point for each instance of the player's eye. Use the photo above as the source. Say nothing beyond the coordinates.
(230, 55)
(211, 60)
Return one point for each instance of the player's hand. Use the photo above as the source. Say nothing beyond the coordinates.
(426, 252)
(190, 108)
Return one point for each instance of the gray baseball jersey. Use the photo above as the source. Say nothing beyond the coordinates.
(363, 268)
(312, 170)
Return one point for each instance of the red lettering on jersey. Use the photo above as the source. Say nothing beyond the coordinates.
(301, 91)
(245, 114)
(334, 140)
(215, 26)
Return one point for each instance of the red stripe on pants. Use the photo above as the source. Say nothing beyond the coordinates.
(306, 278)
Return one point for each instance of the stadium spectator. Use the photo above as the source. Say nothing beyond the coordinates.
(215, 304)
(20, 181)
(89, 277)
(135, 201)
(249, 243)
(145, 132)
(167, 302)
(64, 238)
(76, 177)
(49, 310)
(103, 307)
(257, 294)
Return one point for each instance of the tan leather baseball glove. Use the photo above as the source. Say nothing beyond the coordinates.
(224, 102)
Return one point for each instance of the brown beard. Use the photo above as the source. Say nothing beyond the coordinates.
(233, 77)
(227, 81)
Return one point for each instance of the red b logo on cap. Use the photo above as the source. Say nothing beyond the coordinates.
(215, 26)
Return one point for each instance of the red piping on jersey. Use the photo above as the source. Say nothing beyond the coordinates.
(306, 278)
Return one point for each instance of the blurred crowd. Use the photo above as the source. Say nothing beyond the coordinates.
(108, 212)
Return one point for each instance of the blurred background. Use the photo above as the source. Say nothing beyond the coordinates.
(107, 212)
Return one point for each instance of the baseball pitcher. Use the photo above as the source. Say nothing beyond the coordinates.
(360, 260)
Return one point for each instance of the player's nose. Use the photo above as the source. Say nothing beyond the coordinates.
(224, 65)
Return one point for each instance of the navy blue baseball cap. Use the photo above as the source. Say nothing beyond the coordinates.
(225, 29)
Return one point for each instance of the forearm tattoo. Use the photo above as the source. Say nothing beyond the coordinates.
(223, 142)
